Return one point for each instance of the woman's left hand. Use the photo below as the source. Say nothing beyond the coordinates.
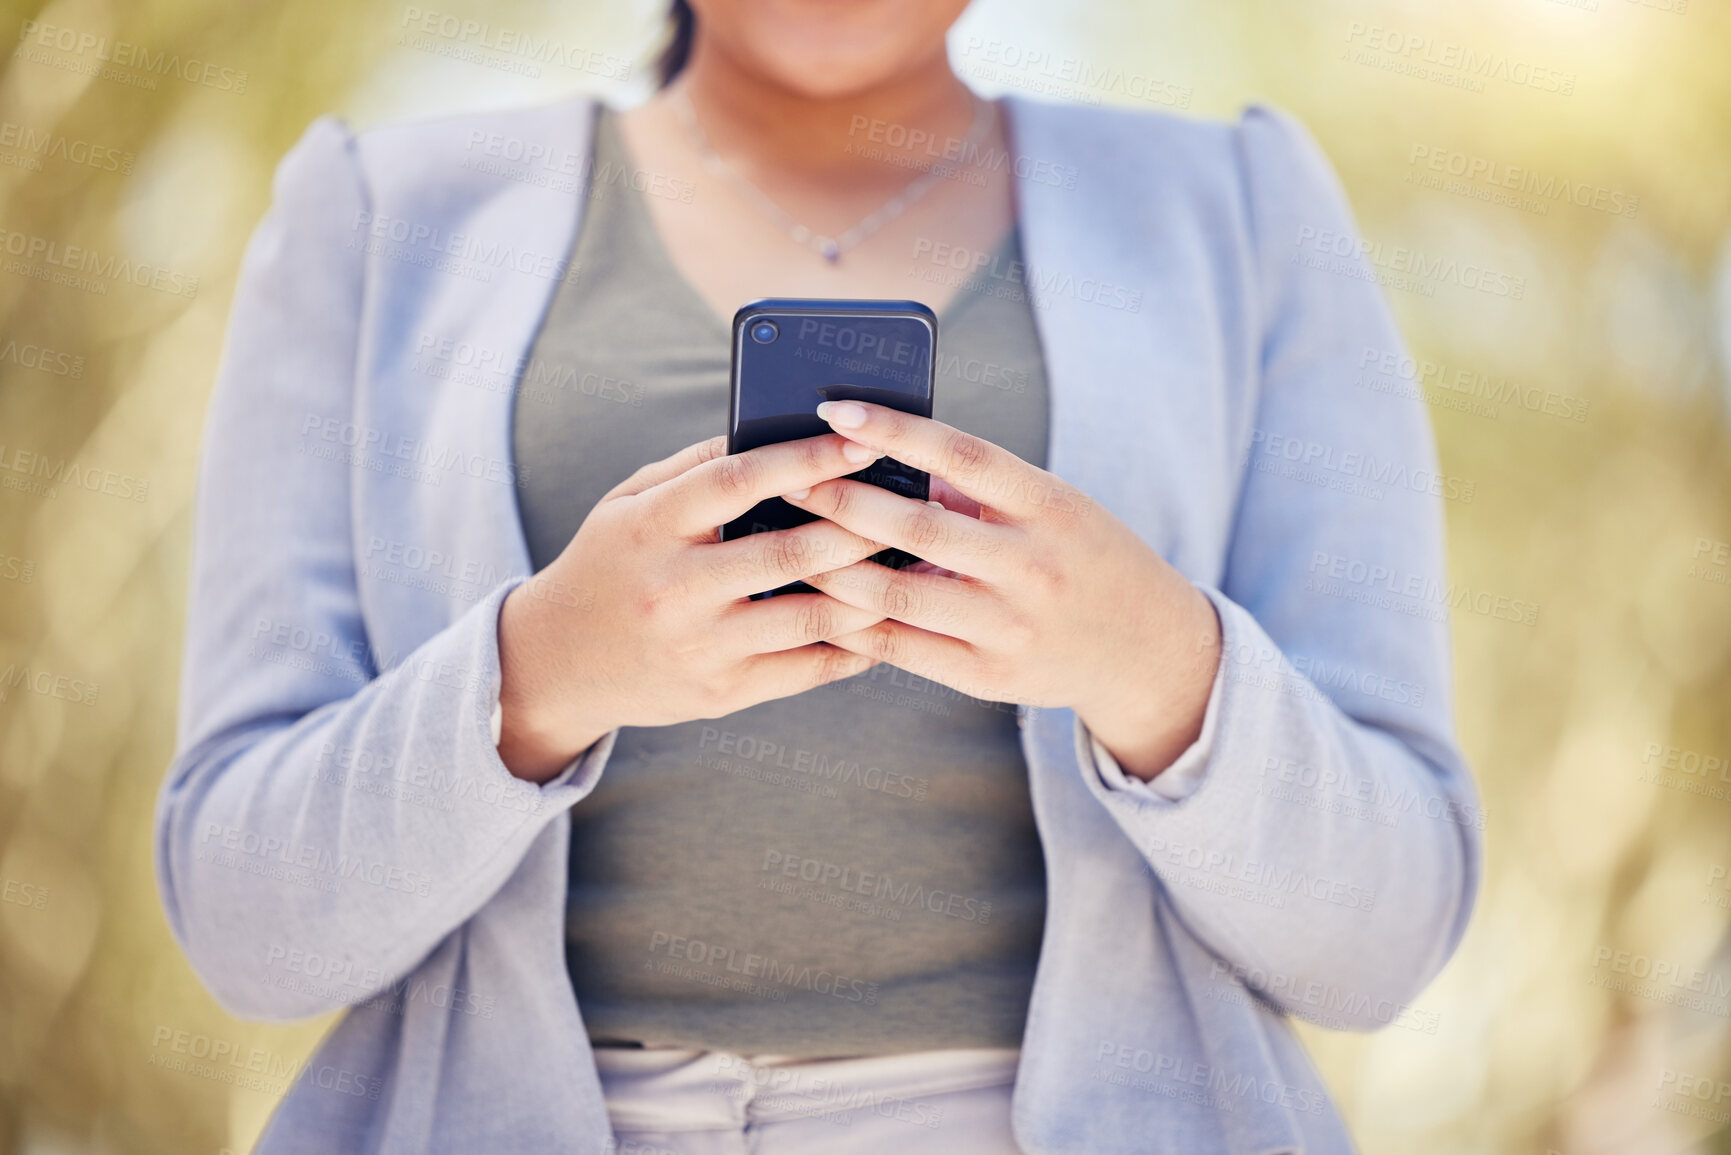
(1049, 600)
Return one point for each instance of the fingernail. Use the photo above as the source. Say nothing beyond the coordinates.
(859, 454)
(798, 495)
(843, 413)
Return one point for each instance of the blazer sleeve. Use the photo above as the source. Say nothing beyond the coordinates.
(1330, 852)
(329, 816)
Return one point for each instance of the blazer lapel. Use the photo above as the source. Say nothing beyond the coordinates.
(455, 310)
(1137, 369)
(1141, 384)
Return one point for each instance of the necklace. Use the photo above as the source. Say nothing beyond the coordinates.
(829, 248)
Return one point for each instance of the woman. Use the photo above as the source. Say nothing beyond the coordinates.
(1032, 849)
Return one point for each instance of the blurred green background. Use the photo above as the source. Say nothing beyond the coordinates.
(1592, 731)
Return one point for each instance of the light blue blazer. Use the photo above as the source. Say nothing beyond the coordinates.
(337, 829)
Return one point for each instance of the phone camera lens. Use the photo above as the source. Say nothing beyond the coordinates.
(763, 332)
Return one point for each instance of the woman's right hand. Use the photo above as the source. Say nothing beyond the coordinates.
(645, 618)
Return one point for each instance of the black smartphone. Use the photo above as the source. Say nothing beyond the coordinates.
(790, 356)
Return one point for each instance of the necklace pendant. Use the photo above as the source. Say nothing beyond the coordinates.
(829, 249)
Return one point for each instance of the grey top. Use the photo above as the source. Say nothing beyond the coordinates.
(853, 870)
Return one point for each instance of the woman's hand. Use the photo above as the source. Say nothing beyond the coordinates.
(1049, 599)
(645, 618)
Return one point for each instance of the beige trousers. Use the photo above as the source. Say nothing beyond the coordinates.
(665, 1101)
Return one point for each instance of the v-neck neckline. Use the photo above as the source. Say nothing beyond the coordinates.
(606, 120)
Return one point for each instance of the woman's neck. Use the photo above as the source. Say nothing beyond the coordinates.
(754, 117)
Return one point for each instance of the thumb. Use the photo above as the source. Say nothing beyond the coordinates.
(658, 472)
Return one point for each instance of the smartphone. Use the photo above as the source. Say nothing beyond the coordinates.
(790, 356)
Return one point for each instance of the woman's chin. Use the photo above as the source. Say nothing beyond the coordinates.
(833, 75)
